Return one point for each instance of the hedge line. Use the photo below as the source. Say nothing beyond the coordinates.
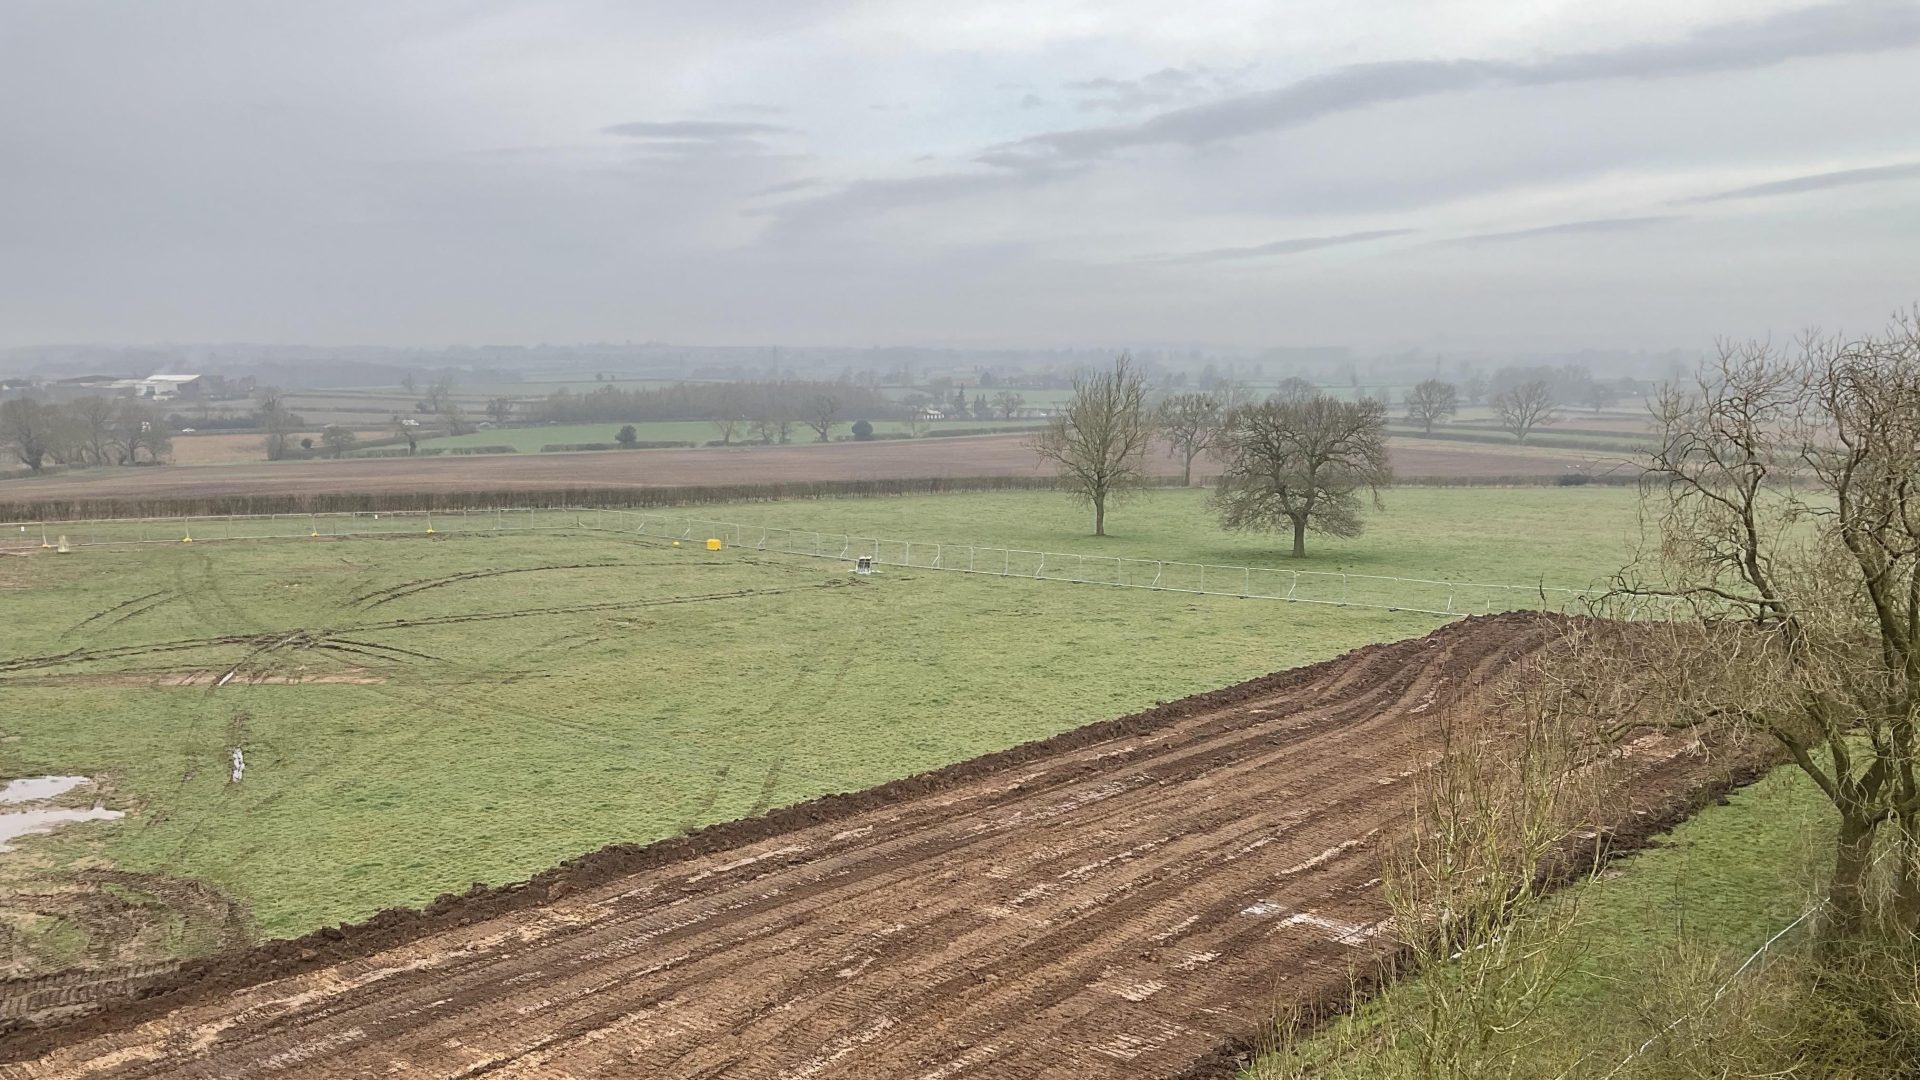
(1539, 438)
(635, 497)
(563, 448)
(630, 497)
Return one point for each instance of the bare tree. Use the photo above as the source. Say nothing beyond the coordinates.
(338, 440)
(1008, 404)
(500, 410)
(1190, 423)
(137, 427)
(454, 417)
(1291, 388)
(438, 395)
(1525, 406)
(1787, 494)
(279, 422)
(821, 411)
(95, 420)
(27, 430)
(1098, 442)
(1302, 465)
(401, 429)
(1476, 389)
(1432, 402)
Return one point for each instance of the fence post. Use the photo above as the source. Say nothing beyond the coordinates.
(1246, 581)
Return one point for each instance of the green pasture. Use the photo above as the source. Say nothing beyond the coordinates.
(1713, 890)
(1563, 537)
(420, 712)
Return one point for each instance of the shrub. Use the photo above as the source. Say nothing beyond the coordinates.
(862, 431)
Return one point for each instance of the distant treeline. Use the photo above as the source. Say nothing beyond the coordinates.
(86, 431)
(797, 402)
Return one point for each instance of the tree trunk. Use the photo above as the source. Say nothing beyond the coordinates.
(1300, 537)
(1906, 897)
(1186, 478)
(1099, 515)
(1847, 893)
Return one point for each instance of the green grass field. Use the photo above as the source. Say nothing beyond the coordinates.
(557, 691)
(1567, 537)
(1719, 885)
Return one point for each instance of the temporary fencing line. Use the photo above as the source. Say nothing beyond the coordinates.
(109, 532)
(1719, 992)
(1327, 588)
(1295, 586)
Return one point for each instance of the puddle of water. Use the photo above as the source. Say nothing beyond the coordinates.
(17, 823)
(35, 788)
(25, 822)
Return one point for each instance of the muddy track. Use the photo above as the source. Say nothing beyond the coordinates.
(1118, 901)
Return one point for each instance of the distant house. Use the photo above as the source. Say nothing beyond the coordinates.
(930, 413)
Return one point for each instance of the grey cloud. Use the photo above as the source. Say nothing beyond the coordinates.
(1032, 101)
(1565, 228)
(1830, 30)
(1815, 182)
(1158, 88)
(1288, 247)
(789, 186)
(692, 129)
(867, 198)
(703, 148)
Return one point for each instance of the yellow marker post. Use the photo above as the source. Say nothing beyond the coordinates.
(713, 543)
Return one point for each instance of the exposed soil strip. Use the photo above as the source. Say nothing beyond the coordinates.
(1117, 901)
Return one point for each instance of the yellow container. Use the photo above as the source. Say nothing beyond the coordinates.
(713, 544)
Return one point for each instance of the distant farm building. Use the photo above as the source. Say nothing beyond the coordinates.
(152, 387)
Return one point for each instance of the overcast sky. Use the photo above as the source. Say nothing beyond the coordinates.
(1381, 173)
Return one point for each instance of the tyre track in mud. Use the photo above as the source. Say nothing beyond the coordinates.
(1119, 906)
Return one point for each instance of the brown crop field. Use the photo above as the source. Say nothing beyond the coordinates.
(1122, 900)
(893, 459)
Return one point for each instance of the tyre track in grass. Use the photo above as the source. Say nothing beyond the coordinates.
(1115, 902)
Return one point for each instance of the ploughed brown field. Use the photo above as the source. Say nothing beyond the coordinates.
(1119, 901)
(885, 460)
